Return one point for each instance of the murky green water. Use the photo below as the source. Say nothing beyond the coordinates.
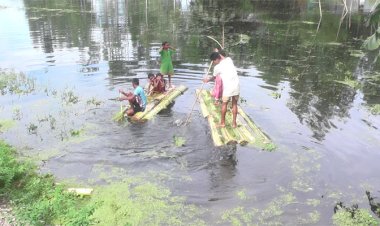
(80, 53)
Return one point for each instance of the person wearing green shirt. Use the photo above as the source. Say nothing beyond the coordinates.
(166, 52)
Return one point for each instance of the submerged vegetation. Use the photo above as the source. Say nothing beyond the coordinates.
(15, 83)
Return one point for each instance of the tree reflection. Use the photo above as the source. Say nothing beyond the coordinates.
(277, 37)
(286, 48)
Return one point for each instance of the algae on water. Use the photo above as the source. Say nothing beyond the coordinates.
(129, 203)
(179, 141)
(6, 125)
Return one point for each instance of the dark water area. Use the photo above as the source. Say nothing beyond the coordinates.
(80, 53)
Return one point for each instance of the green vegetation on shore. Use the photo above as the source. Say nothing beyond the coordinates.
(38, 200)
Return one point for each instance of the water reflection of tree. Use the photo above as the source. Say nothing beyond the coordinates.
(286, 49)
(59, 24)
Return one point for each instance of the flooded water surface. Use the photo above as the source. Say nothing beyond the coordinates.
(310, 87)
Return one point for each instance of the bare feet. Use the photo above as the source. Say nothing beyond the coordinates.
(216, 103)
(220, 126)
(234, 125)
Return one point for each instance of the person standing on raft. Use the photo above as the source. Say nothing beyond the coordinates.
(225, 68)
(166, 68)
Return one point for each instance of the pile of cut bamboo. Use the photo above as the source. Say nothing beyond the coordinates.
(158, 102)
(246, 132)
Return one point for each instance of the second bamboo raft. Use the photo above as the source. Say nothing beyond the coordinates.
(246, 132)
(158, 102)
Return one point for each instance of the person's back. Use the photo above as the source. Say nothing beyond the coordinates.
(140, 97)
(227, 71)
(225, 68)
(137, 100)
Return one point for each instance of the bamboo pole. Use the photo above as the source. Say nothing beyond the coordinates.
(320, 15)
(243, 140)
(216, 137)
(228, 138)
(252, 125)
(197, 97)
(204, 110)
(221, 46)
(228, 134)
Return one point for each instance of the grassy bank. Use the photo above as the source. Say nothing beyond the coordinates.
(38, 200)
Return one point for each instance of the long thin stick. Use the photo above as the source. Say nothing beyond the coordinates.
(215, 41)
(121, 103)
(320, 15)
(197, 96)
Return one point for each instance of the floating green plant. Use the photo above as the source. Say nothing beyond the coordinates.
(141, 203)
(252, 216)
(15, 83)
(17, 114)
(94, 101)
(375, 109)
(269, 147)
(311, 218)
(313, 202)
(276, 95)
(6, 124)
(353, 216)
(32, 128)
(75, 133)
(242, 195)
(179, 141)
(69, 97)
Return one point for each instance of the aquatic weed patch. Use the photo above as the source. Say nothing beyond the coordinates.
(68, 97)
(141, 203)
(253, 216)
(15, 83)
(352, 216)
(179, 141)
(6, 125)
(375, 109)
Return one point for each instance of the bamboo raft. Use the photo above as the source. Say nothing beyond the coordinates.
(246, 132)
(158, 102)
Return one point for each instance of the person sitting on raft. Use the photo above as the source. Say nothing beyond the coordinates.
(159, 83)
(137, 99)
(149, 87)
